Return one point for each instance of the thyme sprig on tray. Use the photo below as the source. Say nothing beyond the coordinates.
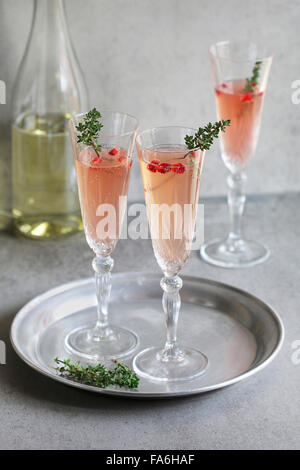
(204, 137)
(99, 375)
(89, 129)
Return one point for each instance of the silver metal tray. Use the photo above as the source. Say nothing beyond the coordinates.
(237, 332)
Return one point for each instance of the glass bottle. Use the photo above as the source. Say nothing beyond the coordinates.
(49, 89)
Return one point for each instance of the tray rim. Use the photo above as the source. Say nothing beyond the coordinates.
(135, 394)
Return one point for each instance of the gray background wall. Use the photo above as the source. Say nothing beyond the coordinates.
(149, 58)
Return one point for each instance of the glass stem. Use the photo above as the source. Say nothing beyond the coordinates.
(171, 305)
(102, 266)
(236, 203)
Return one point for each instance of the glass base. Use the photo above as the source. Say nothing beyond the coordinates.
(234, 254)
(149, 363)
(120, 343)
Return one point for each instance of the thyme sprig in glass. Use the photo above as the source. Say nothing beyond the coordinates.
(204, 137)
(99, 375)
(252, 82)
(89, 129)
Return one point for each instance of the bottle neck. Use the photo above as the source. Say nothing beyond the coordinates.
(49, 20)
(49, 78)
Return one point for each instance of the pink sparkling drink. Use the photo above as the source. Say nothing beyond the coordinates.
(103, 180)
(244, 110)
(171, 179)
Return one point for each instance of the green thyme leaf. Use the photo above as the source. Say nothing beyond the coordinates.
(99, 375)
(253, 81)
(204, 137)
(89, 129)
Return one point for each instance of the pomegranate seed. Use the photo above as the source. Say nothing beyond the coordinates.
(96, 160)
(247, 97)
(164, 168)
(218, 92)
(223, 85)
(122, 159)
(153, 165)
(253, 83)
(130, 163)
(260, 93)
(113, 151)
(178, 168)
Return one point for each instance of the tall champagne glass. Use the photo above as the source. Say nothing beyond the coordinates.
(171, 179)
(240, 73)
(103, 179)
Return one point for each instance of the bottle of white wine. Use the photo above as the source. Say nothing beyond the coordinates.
(49, 89)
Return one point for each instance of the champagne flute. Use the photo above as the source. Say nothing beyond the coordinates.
(103, 164)
(171, 178)
(240, 73)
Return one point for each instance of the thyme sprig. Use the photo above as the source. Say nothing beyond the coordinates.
(204, 137)
(99, 375)
(253, 81)
(89, 129)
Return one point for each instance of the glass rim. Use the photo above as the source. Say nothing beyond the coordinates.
(164, 127)
(249, 43)
(112, 111)
(202, 152)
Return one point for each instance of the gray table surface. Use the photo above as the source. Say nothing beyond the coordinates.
(262, 412)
